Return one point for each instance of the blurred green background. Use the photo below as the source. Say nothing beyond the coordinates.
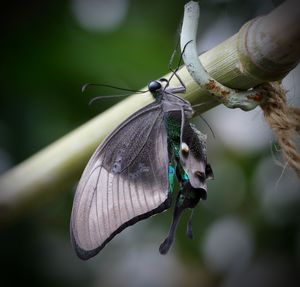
(246, 234)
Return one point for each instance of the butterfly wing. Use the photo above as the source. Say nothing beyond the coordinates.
(193, 154)
(126, 180)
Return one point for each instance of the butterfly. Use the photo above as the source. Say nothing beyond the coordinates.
(131, 175)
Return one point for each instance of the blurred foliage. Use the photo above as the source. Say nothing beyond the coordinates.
(46, 58)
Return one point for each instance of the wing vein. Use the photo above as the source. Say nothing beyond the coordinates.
(139, 113)
(133, 159)
(108, 192)
(96, 198)
(125, 199)
(130, 192)
(102, 209)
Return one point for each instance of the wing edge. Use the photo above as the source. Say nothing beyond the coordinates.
(87, 254)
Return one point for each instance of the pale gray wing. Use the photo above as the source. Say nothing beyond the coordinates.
(125, 181)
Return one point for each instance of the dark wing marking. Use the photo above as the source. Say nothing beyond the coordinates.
(126, 180)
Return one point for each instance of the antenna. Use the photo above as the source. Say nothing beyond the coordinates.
(85, 86)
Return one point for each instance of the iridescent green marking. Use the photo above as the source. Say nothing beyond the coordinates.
(171, 175)
(183, 175)
(173, 130)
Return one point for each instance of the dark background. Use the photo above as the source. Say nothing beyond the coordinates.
(248, 231)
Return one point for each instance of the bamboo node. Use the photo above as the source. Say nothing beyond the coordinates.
(231, 98)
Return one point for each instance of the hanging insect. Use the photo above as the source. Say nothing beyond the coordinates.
(131, 175)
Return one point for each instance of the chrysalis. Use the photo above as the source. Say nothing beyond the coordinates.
(131, 174)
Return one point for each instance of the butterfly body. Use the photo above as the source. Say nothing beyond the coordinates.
(131, 174)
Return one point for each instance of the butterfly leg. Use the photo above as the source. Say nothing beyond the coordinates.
(182, 88)
(187, 197)
(165, 246)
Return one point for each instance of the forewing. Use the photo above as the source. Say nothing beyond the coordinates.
(125, 181)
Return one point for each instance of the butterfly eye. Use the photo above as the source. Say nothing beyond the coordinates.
(154, 86)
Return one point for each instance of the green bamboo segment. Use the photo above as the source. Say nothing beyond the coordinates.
(265, 49)
(57, 167)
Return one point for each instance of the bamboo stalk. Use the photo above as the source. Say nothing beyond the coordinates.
(232, 98)
(265, 49)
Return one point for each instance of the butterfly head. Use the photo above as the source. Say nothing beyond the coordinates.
(155, 88)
